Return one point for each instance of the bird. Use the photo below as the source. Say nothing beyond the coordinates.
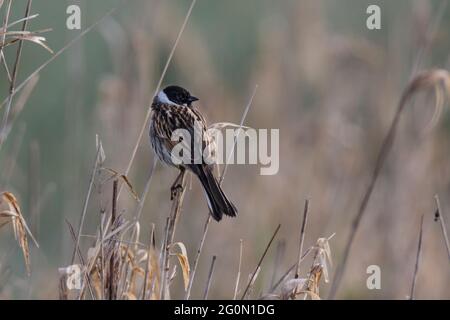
(172, 109)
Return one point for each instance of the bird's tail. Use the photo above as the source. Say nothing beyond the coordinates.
(218, 202)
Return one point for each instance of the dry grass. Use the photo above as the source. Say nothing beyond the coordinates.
(10, 214)
(134, 270)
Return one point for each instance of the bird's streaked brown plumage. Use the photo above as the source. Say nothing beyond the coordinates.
(171, 110)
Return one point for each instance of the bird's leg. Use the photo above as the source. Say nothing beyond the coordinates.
(176, 186)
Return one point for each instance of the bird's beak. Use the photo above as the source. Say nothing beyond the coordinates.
(191, 99)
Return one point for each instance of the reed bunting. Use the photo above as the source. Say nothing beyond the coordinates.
(172, 109)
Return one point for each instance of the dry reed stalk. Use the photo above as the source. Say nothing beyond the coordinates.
(288, 271)
(4, 29)
(197, 256)
(210, 275)
(115, 231)
(102, 242)
(208, 219)
(302, 237)
(279, 254)
(258, 266)
(10, 213)
(112, 238)
(173, 218)
(139, 208)
(86, 202)
(147, 116)
(12, 86)
(82, 262)
(162, 258)
(416, 267)
(158, 86)
(148, 264)
(425, 80)
(112, 284)
(176, 210)
(439, 216)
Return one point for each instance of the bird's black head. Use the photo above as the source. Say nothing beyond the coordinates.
(176, 95)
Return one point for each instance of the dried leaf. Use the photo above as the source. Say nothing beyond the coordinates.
(253, 279)
(22, 19)
(19, 225)
(96, 282)
(322, 256)
(324, 244)
(314, 278)
(15, 36)
(154, 275)
(99, 147)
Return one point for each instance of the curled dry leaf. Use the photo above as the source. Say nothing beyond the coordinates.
(99, 147)
(10, 212)
(26, 36)
(184, 262)
(428, 79)
(323, 256)
(437, 79)
(141, 256)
